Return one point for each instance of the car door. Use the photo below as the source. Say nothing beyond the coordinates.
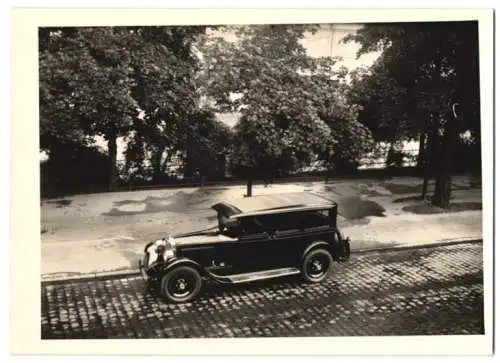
(269, 241)
(286, 239)
(242, 253)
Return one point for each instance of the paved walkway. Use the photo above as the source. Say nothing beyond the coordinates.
(407, 292)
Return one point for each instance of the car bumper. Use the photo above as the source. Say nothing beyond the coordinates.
(143, 271)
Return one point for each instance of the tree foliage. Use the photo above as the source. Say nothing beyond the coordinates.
(427, 68)
(382, 102)
(432, 64)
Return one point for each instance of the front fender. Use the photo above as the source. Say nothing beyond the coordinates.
(181, 261)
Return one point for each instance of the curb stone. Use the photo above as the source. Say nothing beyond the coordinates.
(126, 273)
(440, 243)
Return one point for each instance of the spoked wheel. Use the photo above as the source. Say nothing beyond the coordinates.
(181, 285)
(317, 265)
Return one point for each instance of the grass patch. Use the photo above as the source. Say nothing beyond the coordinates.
(476, 184)
(464, 206)
(370, 190)
(427, 208)
(395, 188)
(115, 212)
(411, 198)
(60, 203)
(331, 189)
(179, 202)
(355, 222)
(148, 199)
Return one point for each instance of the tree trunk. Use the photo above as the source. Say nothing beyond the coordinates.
(327, 173)
(189, 166)
(157, 165)
(112, 152)
(430, 153)
(421, 153)
(426, 156)
(442, 191)
(389, 158)
(249, 184)
(425, 186)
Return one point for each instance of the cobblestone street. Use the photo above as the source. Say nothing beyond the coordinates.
(436, 290)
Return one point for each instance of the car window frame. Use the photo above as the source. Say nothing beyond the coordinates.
(274, 229)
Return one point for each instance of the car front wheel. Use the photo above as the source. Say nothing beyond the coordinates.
(181, 284)
(317, 265)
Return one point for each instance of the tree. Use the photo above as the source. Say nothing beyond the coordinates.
(85, 77)
(208, 143)
(380, 99)
(382, 104)
(350, 139)
(166, 91)
(437, 65)
(266, 75)
(96, 82)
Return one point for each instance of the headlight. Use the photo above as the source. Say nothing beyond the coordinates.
(164, 249)
(160, 248)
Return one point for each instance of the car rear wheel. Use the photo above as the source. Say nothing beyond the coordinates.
(317, 265)
(181, 284)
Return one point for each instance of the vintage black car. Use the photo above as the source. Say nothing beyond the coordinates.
(256, 238)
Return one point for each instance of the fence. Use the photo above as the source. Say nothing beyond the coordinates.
(92, 177)
(173, 174)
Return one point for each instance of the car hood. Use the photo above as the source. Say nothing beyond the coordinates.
(206, 231)
(204, 236)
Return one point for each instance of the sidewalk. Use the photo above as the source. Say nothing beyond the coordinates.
(103, 234)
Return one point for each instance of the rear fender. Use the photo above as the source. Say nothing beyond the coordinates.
(342, 246)
(315, 245)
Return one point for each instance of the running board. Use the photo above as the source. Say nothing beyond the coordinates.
(255, 276)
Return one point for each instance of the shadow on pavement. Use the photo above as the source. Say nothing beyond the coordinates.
(427, 208)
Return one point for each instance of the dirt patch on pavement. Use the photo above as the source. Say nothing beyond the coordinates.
(178, 203)
(427, 208)
(358, 208)
(368, 189)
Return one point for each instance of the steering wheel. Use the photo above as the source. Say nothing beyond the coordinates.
(220, 218)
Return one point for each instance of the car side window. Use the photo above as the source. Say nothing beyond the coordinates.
(315, 219)
(295, 221)
(252, 225)
(280, 222)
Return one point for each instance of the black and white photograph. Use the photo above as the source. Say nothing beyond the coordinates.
(262, 180)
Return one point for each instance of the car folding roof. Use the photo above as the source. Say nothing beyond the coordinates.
(272, 202)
